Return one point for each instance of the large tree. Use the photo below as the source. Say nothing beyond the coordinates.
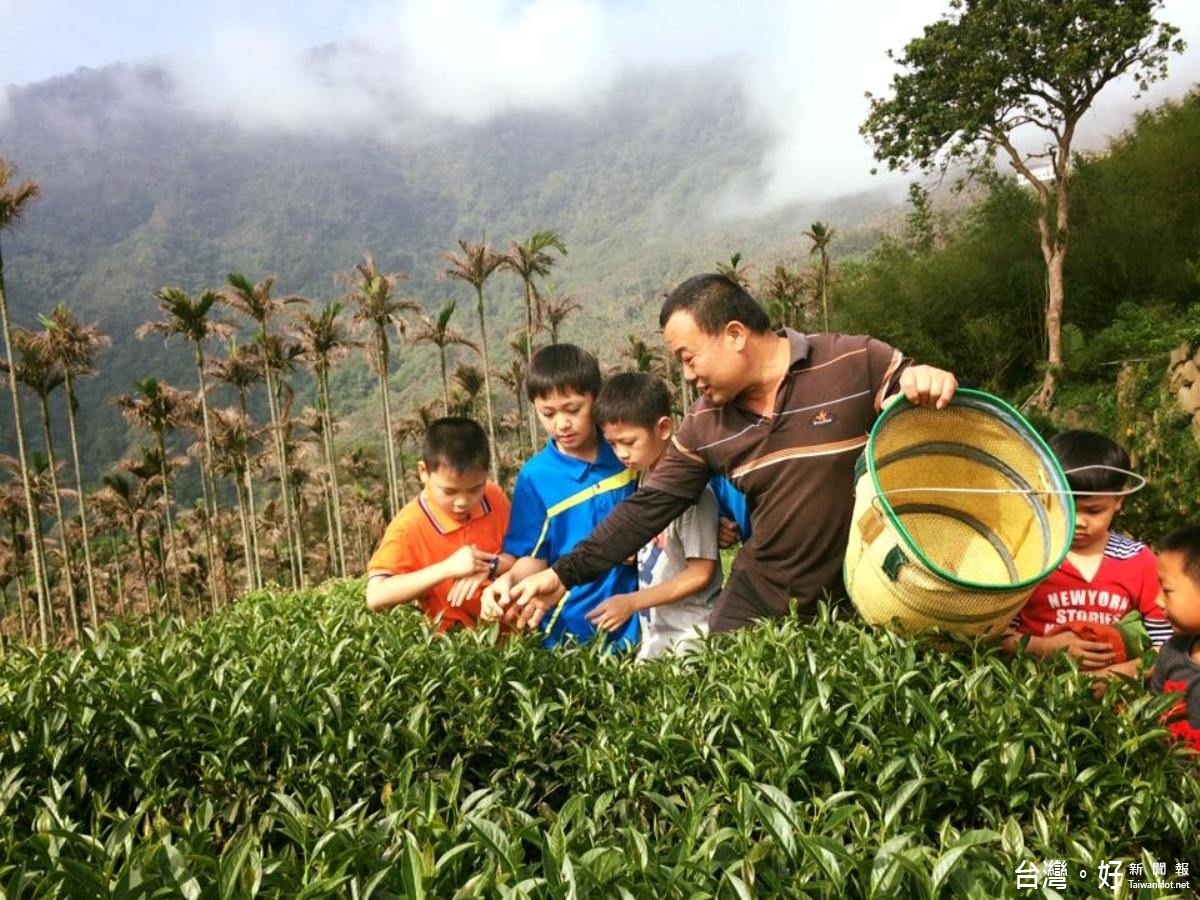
(36, 368)
(821, 236)
(188, 317)
(160, 409)
(439, 332)
(377, 306)
(322, 340)
(1013, 78)
(475, 265)
(13, 200)
(256, 302)
(529, 261)
(73, 346)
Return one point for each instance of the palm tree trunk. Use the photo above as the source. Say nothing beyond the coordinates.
(487, 383)
(529, 359)
(117, 568)
(251, 547)
(72, 606)
(255, 548)
(166, 490)
(239, 492)
(403, 474)
(281, 468)
(825, 288)
(93, 613)
(445, 381)
(359, 543)
(141, 549)
(22, 593)
(389, 441)
(45, 556)
(39, 566)
(331, 567)
(301, 543)
(331, 464)
(209, 490)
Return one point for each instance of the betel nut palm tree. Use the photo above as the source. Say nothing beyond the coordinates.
(821, 235)
(14, 198)
(241, 369)
(475, 264)
(35, 368)
(439, 332)
(530, 261)
(322, 340)
(256, 302)
(376, 308)
(188, 317)
(74, 346)
(160, 409)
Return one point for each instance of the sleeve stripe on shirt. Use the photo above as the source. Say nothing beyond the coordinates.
(690, 454)
(798, 452)
(837, 359)
(728, 437)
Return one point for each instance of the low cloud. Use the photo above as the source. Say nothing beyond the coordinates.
(803, 69)
(803, 73)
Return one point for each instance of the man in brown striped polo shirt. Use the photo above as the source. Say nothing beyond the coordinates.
(784, 416)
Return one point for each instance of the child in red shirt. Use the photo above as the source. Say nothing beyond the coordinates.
(1106, 578)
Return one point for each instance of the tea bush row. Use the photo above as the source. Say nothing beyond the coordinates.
(298, 745)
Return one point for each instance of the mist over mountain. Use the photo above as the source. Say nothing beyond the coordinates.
(137, 194)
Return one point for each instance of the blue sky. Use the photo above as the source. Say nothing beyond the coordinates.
(43, 38)
(804, 65)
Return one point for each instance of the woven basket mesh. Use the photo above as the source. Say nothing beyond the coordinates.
(958, 514)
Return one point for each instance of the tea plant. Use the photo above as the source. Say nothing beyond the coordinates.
(298, 745)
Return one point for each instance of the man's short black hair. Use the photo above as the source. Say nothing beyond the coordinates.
(560, 368)
(714, 301)
(456, 443)
(1185, 542)
(632, 398)
(1077, 450)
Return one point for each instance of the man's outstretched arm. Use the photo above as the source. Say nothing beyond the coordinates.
(627, 529)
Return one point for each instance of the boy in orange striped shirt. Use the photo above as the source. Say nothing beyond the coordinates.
(444, 546)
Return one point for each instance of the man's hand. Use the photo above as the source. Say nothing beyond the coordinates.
(728, 533)
(927, 386)
(467, 561)
(613, 612)
(542, 588)
(526, 602)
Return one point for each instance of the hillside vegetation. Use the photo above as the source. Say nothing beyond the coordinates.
(137, 197)
(137, 194)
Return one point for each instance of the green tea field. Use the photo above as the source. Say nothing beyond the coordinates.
(297, 745)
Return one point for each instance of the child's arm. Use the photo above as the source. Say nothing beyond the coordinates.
(464, 588)
(388, 589)
(616, 611)
(1091, 654)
